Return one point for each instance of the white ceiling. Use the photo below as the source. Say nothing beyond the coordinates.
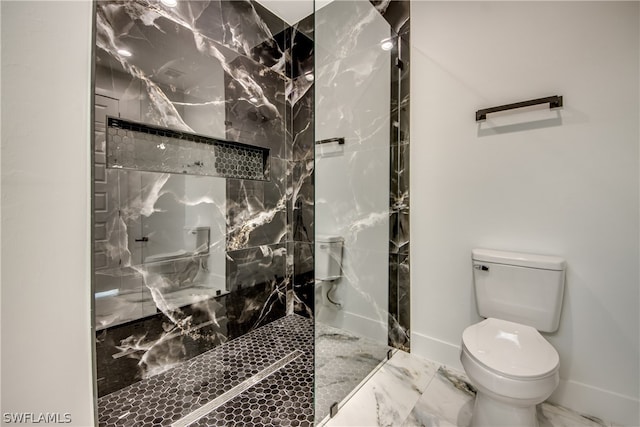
(290, 11)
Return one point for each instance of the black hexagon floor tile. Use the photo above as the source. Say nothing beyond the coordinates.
(283, 398)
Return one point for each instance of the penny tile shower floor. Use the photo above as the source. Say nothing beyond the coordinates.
(279, 355)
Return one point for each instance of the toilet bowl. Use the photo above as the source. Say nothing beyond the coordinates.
(509, 362)
(513, 367)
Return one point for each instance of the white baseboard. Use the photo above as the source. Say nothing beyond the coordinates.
(582, 398)
(588, 400)
(436, 350)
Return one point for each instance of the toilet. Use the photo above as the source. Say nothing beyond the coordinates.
(513, 367)
(328, 268)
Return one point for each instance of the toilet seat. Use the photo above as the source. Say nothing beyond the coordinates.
(510, 349)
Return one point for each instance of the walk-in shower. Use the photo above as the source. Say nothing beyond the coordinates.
(210, 191)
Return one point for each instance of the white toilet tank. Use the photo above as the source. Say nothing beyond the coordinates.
(519, 287)
(328, 257)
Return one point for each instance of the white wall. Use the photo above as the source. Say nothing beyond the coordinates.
(46, 326)
(562, 183)
(352, 180)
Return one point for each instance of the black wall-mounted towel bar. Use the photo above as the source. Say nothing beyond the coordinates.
(553, 101)
(326, 141)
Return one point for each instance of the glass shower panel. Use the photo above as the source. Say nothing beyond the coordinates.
(352, 174)
(208, 209)
(159, 239)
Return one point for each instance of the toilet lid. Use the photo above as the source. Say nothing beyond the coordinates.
(510, 348)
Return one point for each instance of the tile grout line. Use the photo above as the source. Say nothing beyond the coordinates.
(204, 410)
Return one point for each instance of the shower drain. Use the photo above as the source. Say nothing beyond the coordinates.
(237, 390)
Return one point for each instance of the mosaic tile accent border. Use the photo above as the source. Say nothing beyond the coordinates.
(137, 146)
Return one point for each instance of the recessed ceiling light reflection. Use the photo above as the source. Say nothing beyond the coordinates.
(124, 52)
(386, 44)
(309, 76)
(169, 3)
(253, 99)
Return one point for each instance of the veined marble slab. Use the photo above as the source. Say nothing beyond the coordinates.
(448, 401)
(412, 391)
(343, 360)
(389, 396)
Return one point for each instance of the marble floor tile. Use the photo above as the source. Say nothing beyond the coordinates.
(343, 361)
(447, 401)
(550, 415)
(441, 397)
(389, 395)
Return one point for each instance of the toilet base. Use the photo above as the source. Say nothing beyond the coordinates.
(489, 412)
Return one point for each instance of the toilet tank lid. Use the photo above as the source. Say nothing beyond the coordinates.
(328, 238)
(546, 262)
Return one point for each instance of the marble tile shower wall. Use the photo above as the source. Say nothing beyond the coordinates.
(397, 14)
(281, 219)
(235, 59)
(301, 143)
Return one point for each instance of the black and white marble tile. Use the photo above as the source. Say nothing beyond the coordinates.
(302, 139)
(165, 398)
(306, 26)
(388, 397)
(347, 28)
(399, 304)
(395, 12)
(369, 208)
(412, 391)
(257, 210)
(253, 31)
(256, 105)
(256, 265)
(220, 69)
(155, 260)
(343, 361)
(301, 167)
(144, 348)
(404, 295)
(301, 51)
(302, 201)
(232, 69)
(303, 280)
